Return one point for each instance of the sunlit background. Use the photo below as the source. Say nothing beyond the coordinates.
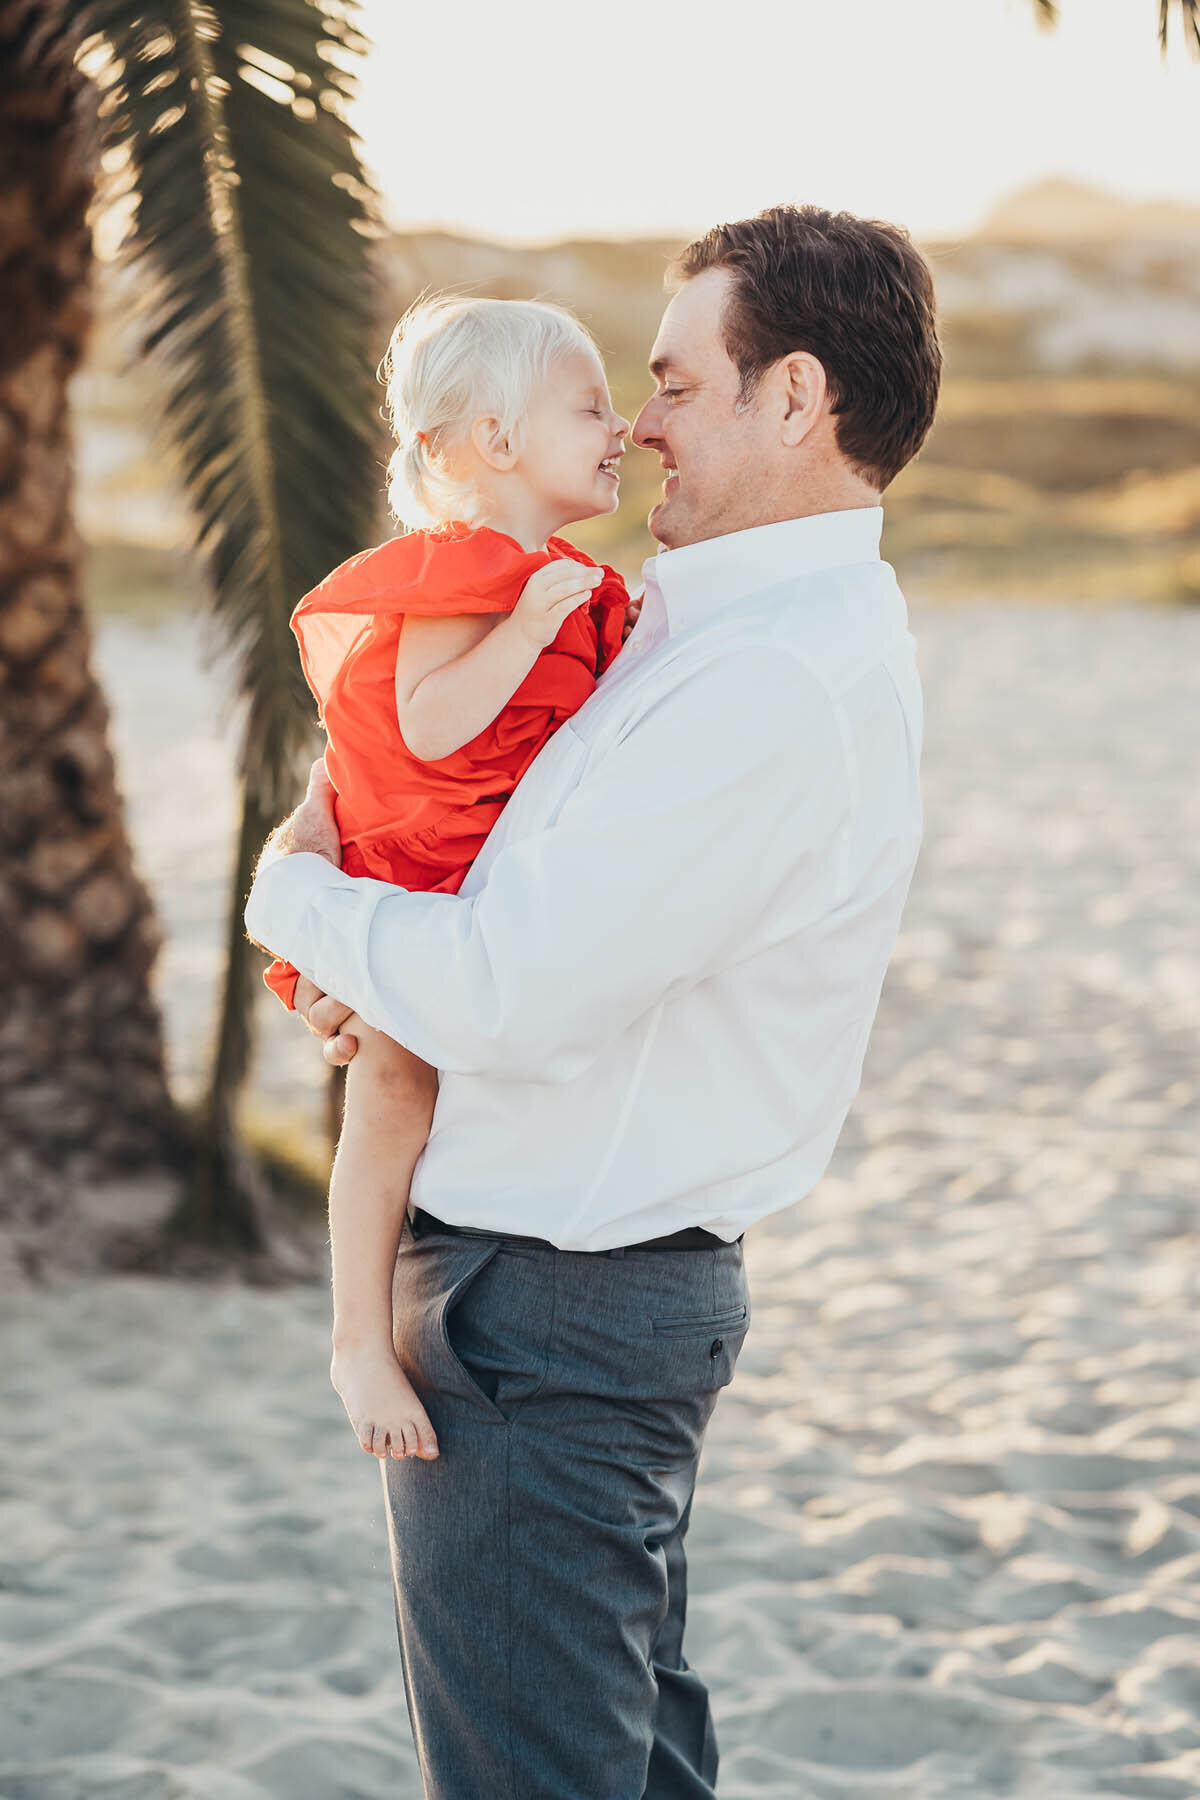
(1051, 175)
(568, 153)
(546, 121)
(948, 1530)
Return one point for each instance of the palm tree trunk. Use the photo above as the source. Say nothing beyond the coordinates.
(83, 1088)
(225, 1191)
(249, 202)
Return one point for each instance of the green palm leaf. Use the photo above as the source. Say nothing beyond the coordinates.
(252, 230)
(252, 237)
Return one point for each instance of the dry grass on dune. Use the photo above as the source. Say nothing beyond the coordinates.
(1063, 462)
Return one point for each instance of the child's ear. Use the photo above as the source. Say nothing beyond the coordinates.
(493, 444)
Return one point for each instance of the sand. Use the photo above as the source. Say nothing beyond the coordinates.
(946, 1542)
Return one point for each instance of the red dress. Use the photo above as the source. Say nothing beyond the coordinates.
(422, 824)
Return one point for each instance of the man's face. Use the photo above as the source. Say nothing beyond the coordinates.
(718, 458)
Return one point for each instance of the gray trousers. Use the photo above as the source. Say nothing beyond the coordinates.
(538, 1563)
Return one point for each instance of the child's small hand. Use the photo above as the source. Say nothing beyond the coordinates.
(381, 1404)
(550, 594)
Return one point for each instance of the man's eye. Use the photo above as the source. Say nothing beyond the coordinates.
(669, 393)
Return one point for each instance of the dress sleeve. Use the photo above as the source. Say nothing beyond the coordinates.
(607, 605)
(430, 572)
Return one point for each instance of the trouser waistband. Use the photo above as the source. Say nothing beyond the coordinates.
(691, 1237)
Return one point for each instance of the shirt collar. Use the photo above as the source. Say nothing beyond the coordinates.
(699, 579)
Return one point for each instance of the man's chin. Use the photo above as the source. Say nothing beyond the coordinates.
(663, 526)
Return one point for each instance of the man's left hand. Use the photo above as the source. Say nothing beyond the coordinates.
(325, 1017)
(311, 827)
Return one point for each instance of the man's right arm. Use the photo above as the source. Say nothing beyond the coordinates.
(709, 826)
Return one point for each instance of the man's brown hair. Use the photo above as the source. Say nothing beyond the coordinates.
(855, 293)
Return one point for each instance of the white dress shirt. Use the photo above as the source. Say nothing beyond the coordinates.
(650, 1002)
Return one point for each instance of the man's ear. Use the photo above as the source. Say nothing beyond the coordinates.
(805, 394)
(492, 444)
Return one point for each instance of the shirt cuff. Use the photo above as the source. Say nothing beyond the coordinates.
(276, 910)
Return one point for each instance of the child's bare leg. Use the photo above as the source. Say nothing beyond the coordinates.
(390, 1095)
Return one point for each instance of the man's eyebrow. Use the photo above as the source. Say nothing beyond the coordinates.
(660, 365)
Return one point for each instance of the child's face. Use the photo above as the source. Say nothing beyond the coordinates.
(573, 442)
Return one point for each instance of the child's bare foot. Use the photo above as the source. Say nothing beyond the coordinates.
(381, 1404)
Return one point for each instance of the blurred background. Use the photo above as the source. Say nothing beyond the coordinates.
(1065, 461)
(1049, 173)
(948, 1535)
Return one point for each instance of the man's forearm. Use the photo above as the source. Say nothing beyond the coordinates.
(310, 830)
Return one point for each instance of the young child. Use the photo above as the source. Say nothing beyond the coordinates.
(442, 661)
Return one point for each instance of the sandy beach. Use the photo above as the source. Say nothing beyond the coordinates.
(946, 1543)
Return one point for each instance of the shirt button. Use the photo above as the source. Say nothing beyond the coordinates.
(716, 1347)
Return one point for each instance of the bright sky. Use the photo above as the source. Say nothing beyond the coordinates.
(546, 118)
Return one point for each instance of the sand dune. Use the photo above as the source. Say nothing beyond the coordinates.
(947, 1538)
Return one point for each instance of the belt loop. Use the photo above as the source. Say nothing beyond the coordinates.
(618, 1252)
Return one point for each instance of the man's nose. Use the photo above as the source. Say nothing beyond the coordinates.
(644, 430)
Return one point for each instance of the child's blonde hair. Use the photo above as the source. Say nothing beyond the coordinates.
(450, 361)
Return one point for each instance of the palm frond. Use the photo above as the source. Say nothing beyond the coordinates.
(1189, 11)
(1189, 18)
(252, 236)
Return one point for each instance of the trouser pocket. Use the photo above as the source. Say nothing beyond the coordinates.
(433, 1277)
(490, 1319)
(480, 1253)
(702, 1347)
(700, 1354)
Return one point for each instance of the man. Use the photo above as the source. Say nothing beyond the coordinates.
(649, 1007)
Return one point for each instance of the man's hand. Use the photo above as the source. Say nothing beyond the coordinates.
(324, 1017)
(311, 827)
